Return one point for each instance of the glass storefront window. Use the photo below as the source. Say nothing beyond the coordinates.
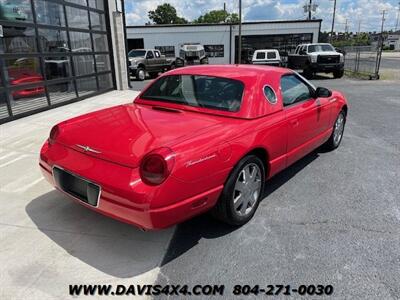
(16, 10)
(80, 2)
(100, 42)
(22, 70)
(49, 13)
(53, 40)
(52, 57)
(3, 106)
(83, 64)
(97, 21)
(86, 86)
(103, 62)
(27, 98)
(77, 18)
(18, 40)
(57, 67)
(99, 4)
(80, 41)
(61, 92)
(105, 81)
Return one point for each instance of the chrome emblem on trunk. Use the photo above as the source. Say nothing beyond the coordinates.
(87, 149)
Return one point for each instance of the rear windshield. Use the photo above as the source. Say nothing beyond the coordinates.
(198, 91)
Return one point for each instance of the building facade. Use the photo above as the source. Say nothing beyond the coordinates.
(53, 52)
(220, 40)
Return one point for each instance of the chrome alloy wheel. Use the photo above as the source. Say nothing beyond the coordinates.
(338, 129)
(141, 74)
(247, 189)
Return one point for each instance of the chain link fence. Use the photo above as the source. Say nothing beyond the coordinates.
(362, 60)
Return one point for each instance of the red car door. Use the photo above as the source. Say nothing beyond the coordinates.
(307, 119)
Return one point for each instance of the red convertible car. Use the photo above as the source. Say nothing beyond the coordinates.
(196, 139)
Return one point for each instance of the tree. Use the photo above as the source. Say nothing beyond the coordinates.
(165, 14)
(218, 16)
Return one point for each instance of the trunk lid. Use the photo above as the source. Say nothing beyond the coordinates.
(124, 134)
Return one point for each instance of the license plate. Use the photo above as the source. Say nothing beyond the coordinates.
(77, 186)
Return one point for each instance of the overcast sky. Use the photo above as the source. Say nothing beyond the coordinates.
(366, 11)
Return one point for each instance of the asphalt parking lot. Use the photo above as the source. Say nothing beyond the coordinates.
(332, 218)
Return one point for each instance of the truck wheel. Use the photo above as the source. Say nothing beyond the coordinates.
(153, 74)
(140, 74)
(242, 192)
(338, 74)
(308, 73)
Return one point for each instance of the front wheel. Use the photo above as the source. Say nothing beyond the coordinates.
(242, 192)
(140, 74)
(338, 74)
(337, 133)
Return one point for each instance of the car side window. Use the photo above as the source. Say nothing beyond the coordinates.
(294, 90)
(157, 54)
(270, 94)
(149, 55)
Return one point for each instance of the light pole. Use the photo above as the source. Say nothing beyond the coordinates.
(333, 18)
(240, 33)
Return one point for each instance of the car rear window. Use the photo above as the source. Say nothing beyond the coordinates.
(197, 91)
(271, 55)
(260, 55)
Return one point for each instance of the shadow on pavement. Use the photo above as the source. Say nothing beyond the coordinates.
(188, 234)
(112, 247)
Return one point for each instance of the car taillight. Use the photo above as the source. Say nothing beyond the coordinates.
(54, 132)
(156, 166)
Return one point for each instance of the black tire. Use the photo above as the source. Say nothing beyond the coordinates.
(338, 74)
(331, 143)
(308, 73)
(153, 74)
(224, 209)
(139, 75)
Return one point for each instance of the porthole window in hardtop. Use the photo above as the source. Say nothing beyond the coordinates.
(270, 94)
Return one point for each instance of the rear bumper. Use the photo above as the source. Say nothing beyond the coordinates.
(124, 196)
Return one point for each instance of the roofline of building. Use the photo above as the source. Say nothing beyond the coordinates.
(224, 24)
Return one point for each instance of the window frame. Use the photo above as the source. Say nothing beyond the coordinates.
(309, 86)
(272, 89)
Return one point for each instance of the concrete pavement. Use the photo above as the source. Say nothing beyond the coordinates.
(47, 240)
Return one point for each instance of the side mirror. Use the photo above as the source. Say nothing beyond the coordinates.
(322, 92)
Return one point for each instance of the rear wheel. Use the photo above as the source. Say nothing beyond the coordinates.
(338, 74)
(242, 192)
(337, 133)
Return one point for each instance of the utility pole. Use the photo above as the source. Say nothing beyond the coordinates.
(345, 27)
(240, 33)
(333, 19)
(359, 27)
(309, 8)
(225, 6)
(379, 52)
(397, 21)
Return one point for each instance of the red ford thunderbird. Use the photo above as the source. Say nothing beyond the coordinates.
(196, 139)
